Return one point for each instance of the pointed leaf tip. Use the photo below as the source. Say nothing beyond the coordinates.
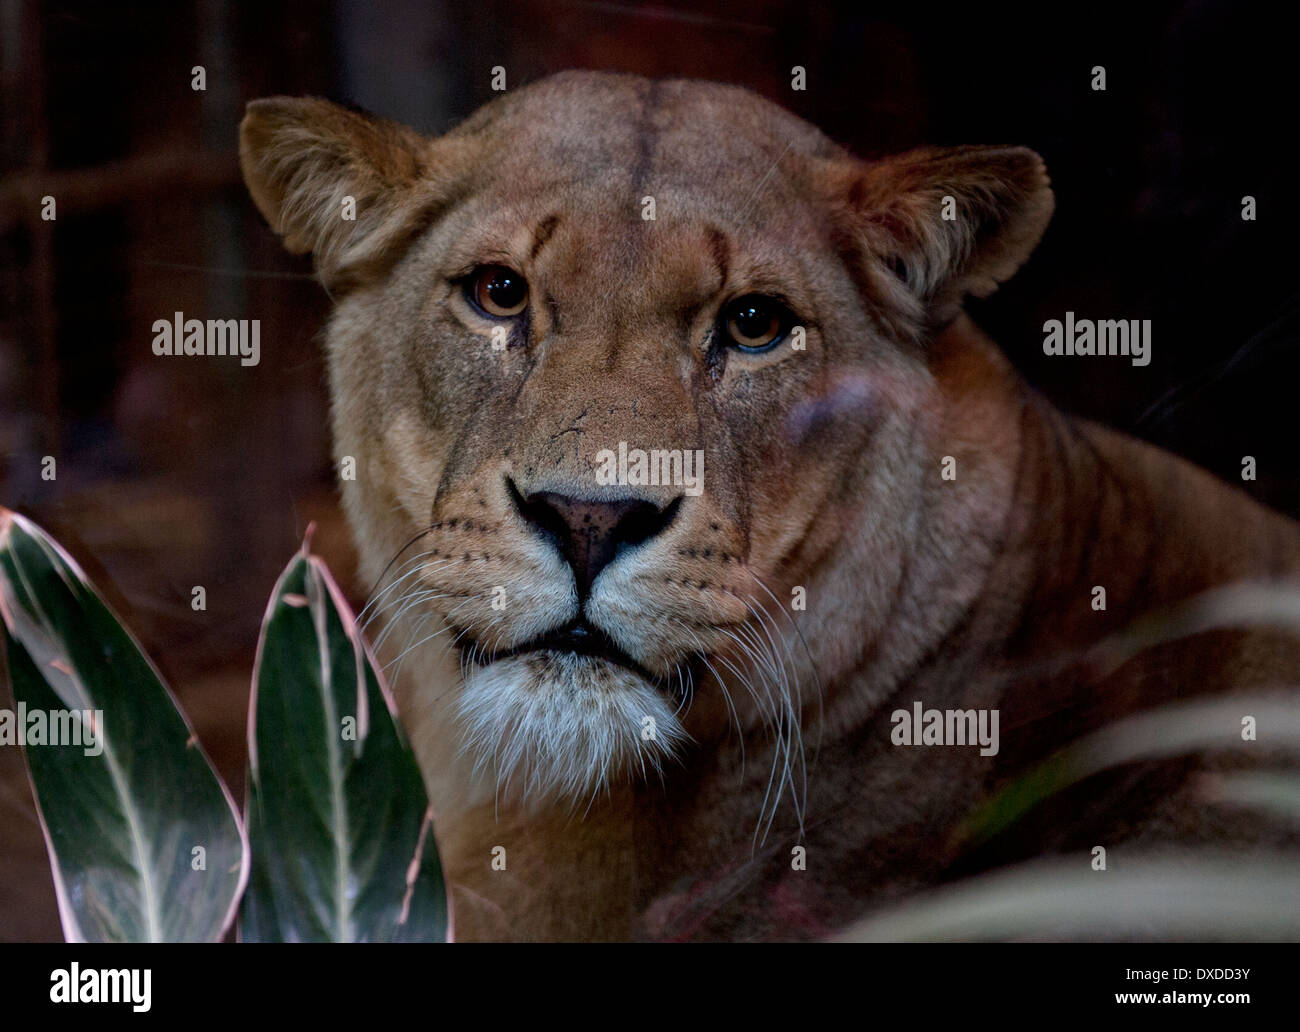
(337, 810)
(125, 800)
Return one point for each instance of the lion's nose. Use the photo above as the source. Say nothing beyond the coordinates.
(592, 534)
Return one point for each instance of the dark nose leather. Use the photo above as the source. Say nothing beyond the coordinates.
(591, 534)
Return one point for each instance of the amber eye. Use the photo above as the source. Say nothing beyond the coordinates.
(756, 322)
(497, 291)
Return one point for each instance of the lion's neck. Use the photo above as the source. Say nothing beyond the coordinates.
(1055, 534)
(1066, 534)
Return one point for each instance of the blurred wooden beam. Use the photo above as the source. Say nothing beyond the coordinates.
(103, 186)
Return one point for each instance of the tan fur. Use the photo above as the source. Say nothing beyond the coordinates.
(823, 472)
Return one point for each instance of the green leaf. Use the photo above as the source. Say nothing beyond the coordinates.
(341, 830)
(1205, 897)
(1172, 730)
(1274, 792)
(133, 807)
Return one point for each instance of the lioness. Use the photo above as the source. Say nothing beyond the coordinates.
(680, 472)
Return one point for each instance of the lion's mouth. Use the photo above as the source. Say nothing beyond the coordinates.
(578, 638)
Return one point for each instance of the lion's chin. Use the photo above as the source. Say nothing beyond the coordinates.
(562, 727)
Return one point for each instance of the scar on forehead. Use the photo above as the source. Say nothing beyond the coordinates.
(544, 231)
(720, 248)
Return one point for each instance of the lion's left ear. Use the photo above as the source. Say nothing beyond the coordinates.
(946, 221)
(343, 185)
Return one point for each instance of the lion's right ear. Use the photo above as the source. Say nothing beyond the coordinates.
(345, 186)
(946, 222)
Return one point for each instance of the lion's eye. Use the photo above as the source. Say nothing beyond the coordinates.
(497, 291)
(756, 322)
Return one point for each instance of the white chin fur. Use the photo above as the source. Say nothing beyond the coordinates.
(562, 727)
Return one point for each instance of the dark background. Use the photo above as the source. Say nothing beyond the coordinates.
(180, 473)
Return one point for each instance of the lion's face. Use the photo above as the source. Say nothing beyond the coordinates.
(630, 372)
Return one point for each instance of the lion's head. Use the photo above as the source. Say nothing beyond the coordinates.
(628, 371)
